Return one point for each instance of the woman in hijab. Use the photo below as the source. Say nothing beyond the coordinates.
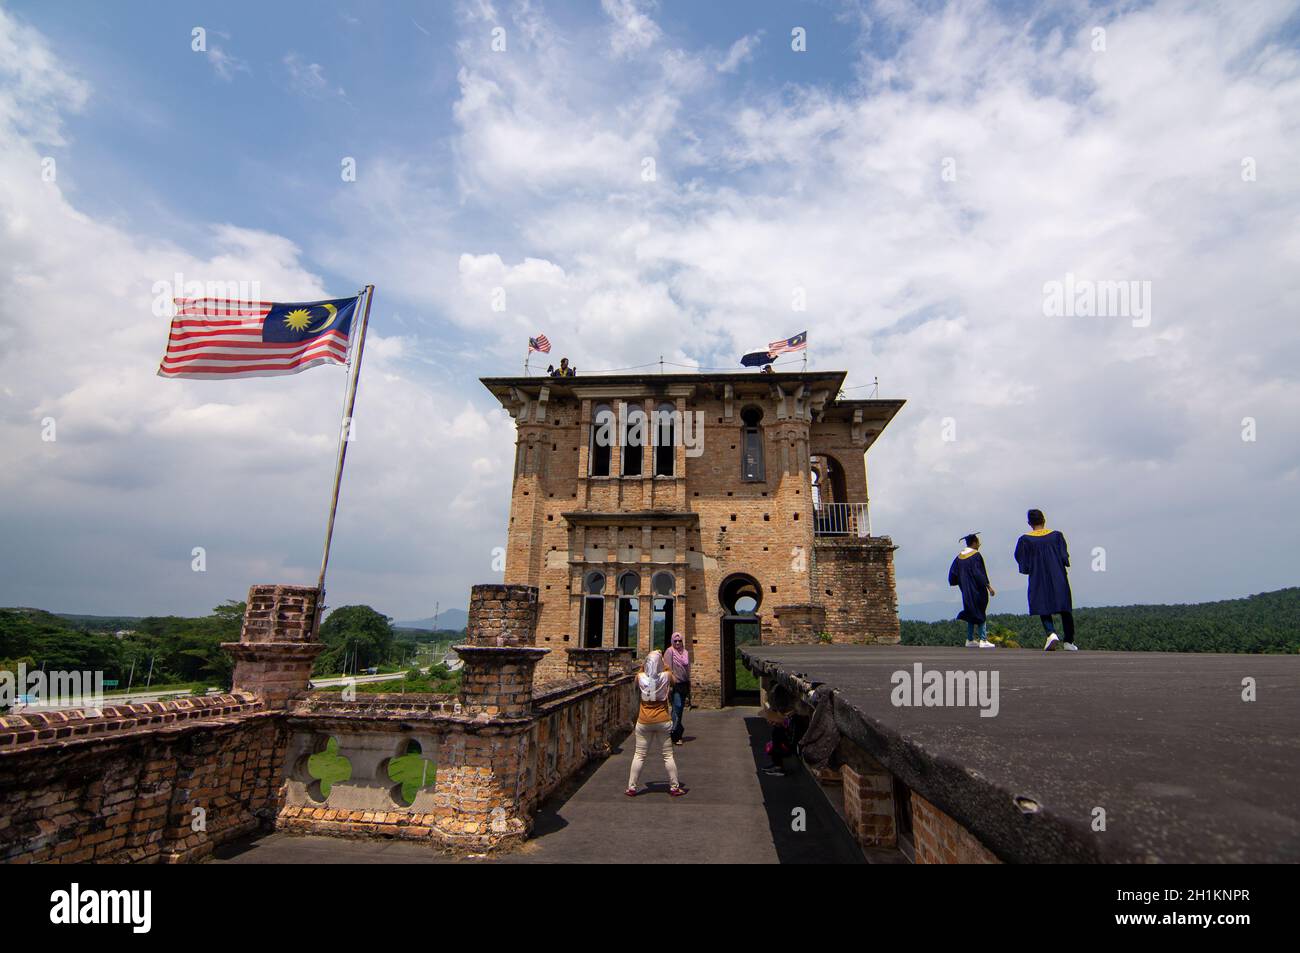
(654, 723)
(678, 663)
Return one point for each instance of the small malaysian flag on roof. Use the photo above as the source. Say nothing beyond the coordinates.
(219, 338)
(539, 343)
(796, 343)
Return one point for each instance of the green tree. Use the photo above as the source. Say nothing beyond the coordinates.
(357, 634)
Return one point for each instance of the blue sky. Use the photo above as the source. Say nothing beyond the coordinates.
(776, 170)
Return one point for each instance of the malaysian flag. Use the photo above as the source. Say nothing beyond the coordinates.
(217, 337)
(796, 343)
(539, 343)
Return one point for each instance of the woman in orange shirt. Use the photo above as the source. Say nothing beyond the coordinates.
(654, 722)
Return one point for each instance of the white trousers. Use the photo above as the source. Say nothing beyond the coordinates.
(646, 735)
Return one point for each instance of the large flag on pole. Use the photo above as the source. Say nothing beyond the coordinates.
(219, 338)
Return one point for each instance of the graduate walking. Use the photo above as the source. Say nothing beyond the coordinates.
(970, 575)
(1043, 556)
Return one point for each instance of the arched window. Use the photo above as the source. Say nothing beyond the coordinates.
(593, 610)
(740, 595)
(634, 434)
(629, 609)
(602, 439)
(665, 440)
(751, 446)
(665, 587)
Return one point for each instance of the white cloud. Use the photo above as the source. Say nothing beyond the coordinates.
(632, 30)
(1116, 165)
(742, 51)
(226, 65)
(309, 78)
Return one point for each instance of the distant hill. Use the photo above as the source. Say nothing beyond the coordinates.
(1267, 622)
(450, 619)
(929, 611)
(99, 623)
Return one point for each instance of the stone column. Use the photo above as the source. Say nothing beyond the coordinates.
(277, 645)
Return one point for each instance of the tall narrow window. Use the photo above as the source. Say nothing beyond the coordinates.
(751, 447)
(634, 429)
(593, 610)
(629, 609)
(665, 440)
(664, 586)
(602, 439)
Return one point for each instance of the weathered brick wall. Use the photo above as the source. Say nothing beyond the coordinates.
(868, 798)
(502, 615)
(124, 785)
(761, 529)
(939, 839)
(491, 772)
(168, 781)
(854, 580)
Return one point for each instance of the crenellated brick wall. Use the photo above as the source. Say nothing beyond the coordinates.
(164, 781)
(169, 781)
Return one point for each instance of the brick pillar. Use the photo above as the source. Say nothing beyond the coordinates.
(594, 664)
(622, 661)
(502, 615)
(277, 645)
(868, 798)
(500, 656)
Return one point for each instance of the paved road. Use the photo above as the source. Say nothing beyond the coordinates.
(732, 814)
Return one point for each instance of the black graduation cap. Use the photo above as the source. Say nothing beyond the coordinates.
(963, 539)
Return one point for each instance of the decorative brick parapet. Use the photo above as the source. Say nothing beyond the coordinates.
(72, 724)
(623, 661)
(278, 645)
(594, 663)
(143, 789)
(502, 615)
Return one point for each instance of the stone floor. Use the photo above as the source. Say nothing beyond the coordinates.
(733, 813)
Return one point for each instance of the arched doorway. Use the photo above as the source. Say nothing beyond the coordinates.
(740, 596)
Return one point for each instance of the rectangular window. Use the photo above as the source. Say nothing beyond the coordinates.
(751, 461)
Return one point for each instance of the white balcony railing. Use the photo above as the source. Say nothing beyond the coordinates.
(841, 519)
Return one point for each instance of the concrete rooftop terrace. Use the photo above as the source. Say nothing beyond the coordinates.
(1185, 770)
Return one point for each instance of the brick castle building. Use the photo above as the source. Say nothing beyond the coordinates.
(731, 507)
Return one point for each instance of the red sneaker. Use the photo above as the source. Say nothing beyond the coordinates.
(677, 791)
(630, 792)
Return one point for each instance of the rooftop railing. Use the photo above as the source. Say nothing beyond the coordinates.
(841, 519)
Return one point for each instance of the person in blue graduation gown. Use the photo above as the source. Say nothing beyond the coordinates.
(1043, 556)
(969, 574)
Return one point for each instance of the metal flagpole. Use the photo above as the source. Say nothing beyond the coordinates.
(345, 432)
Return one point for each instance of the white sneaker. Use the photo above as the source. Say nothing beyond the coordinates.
(986, 644)
(1069, 646)
(1052, 642)
(972, 644)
